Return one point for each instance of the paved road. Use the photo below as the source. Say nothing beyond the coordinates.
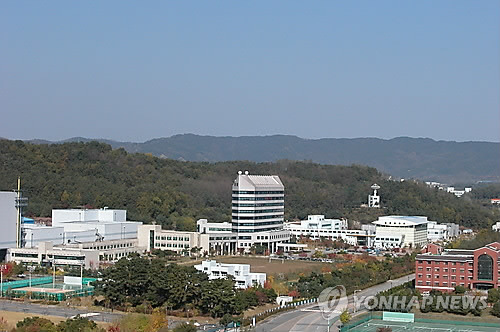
(311, 319)
(59, 311)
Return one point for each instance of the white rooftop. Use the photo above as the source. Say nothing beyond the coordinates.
(245, 181)
(401, 220)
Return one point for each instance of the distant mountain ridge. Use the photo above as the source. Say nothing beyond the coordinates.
(404, 157)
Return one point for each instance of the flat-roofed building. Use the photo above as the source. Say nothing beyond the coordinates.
(46, 254)
(241, 274)
(400, 231)
(316, 227)
(81, 225)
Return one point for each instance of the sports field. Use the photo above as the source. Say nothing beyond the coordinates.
(450, 326)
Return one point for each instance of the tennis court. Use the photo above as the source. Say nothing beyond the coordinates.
(419, 326)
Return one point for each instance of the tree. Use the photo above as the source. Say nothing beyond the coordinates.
(35, 324)
(493, 295)
(78, 324)
(495, 311)
(218, 298)
(460, 289)
(345, 317)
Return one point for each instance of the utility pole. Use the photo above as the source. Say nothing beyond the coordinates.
(54, 273)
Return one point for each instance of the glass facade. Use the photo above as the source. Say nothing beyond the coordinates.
(485, 267)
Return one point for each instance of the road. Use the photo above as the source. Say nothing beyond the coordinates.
(311, 319)
(59, 311)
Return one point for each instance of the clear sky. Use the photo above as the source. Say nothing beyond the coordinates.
(136, 70)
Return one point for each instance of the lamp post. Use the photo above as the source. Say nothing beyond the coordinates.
(2, 267)
(31, 268)
(54, 272)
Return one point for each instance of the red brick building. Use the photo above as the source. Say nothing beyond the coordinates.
(444, 269)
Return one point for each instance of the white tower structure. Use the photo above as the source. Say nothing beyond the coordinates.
(374, 200)
(258, 205)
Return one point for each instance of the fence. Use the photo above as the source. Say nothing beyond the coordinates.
(11, 289)
(359, 320)
(263, 315)
(25, 283)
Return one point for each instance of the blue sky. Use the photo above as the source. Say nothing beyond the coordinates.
(131, 70)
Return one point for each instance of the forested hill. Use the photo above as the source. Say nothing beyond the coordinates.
(404, 157)
(176, 193)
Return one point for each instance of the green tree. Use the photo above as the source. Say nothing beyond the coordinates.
(35, 324)
(460, 289)
(78, 324)
(493, 295)
(345, 317)
(495, 311)
(218, 298)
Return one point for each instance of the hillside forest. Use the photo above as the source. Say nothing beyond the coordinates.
(177, 193)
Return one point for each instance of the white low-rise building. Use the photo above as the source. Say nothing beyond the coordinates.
(316, 227)
(458, 193)
(81, 225)
(46, 254)
(88, 254)
(240, 272)
(436, 232)
(400, 231)
(441, 232)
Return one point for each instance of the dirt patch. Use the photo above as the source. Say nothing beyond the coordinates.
(274, 266)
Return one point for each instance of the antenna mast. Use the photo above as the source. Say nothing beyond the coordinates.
(20, 203)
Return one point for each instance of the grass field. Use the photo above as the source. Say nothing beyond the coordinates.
(13, 317)
(274, 266)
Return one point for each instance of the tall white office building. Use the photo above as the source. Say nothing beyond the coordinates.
(258, 208)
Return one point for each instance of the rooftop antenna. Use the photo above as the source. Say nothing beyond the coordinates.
(20, 203)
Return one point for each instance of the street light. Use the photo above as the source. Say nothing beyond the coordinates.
(54, 272)
(30, 269)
